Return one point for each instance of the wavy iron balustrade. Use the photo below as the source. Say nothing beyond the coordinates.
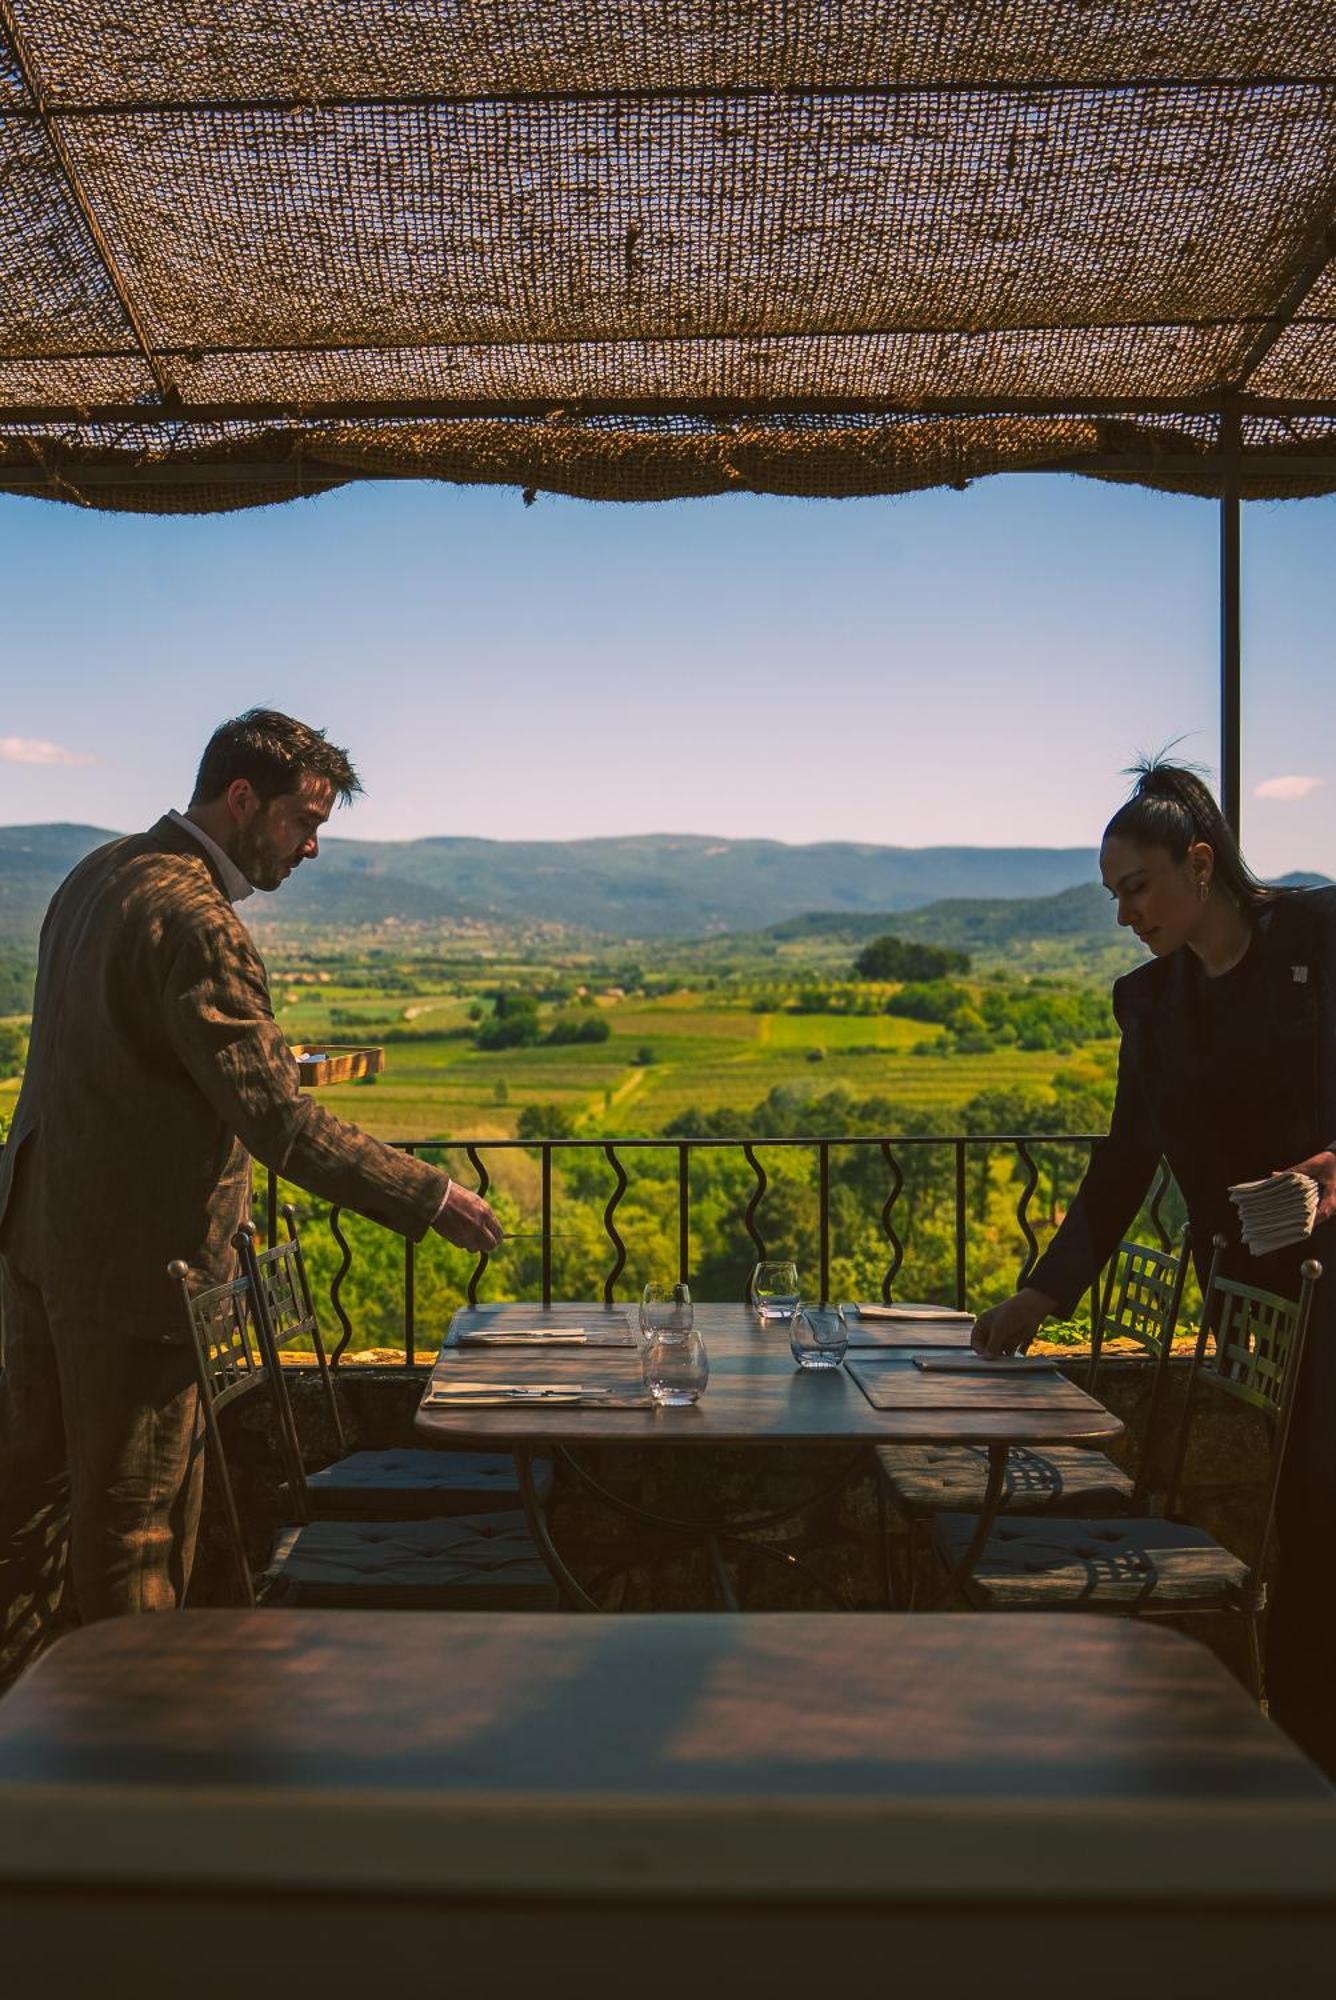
(961, 1148)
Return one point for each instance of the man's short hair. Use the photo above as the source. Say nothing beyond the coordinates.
(275, 752)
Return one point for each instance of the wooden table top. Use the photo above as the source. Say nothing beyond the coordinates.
(791, 1755)
(755, 1395)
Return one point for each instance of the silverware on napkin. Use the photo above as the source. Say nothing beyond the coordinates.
(574, 1336)
(445, 1392)
(551, 1399)
(543, 1340)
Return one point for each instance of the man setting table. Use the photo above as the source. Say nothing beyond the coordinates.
(156, 1072)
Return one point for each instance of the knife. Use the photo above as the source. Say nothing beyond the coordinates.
(520, 1391)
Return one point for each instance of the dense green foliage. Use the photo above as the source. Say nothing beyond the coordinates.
(893, 958)
(568, 1031)
(1035, 1016)
(545, 1121)
(513, 1024)
(18, 968)
(13, 1049)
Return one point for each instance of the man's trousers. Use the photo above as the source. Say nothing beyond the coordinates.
(115, 1425)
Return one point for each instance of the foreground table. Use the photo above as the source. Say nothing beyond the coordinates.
(756, 1396)
(589, 1802)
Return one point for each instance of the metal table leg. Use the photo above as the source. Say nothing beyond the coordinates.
(992, 1502)
(711, 1536)
(573, 1592)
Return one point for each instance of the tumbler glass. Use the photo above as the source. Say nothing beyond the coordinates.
(673, 1359)
(774, 1289)
(818, 1337)
(663, 1305)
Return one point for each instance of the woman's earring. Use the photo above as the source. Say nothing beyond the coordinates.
(1203, 890)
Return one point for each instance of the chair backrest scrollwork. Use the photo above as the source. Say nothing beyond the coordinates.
(1142, 1298)
(285, 1314)
(1250, 1346)
(229, 1365)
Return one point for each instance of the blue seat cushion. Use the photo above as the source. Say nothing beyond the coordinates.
(465, 1563)
(1052, 1479)
(406, 1484)
(1121, 1564)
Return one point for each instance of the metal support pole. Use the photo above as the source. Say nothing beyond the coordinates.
(1231, 642)
(547, 1227)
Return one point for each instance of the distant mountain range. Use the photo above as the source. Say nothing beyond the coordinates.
(995, 902)
(1073, 932)
(651, 885)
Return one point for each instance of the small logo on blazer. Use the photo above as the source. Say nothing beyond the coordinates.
(1300, 974)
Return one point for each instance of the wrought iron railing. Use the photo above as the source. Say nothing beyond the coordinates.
(958, 1147)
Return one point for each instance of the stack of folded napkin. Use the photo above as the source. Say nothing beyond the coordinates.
(1276, 1211)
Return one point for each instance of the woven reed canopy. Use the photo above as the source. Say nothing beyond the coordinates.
(633, 249)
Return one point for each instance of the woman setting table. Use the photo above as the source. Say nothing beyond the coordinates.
(1227, 1069)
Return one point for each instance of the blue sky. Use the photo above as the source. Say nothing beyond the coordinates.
(948, 667)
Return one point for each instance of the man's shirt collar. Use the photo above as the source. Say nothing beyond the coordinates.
(235, 885)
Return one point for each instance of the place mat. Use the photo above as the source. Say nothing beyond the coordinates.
(602, 1326)
(891, 1385)
(486, 1370)
(867, 1328)
(981, 1364)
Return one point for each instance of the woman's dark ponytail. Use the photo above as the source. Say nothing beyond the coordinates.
(1171, 808)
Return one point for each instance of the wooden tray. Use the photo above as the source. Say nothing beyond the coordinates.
(319, 1062)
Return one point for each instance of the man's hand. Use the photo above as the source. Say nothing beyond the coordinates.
(1010, 1327)
(1322, 1169)
(467, 1221)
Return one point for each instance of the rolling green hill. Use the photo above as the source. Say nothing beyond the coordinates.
(1074, 932)
(646, 886)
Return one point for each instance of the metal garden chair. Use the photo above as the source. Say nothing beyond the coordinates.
(1140, 1302)
(1158, 1566)
(478, 1562)
(394, 1483)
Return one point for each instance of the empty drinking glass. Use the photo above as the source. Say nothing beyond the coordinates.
(675, 1365)
(663, 1305)
(774, 1290)
(818, 1336)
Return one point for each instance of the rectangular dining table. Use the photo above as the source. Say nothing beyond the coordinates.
(277, 1802)
(756, 1395)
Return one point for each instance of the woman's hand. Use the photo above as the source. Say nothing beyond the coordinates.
(1321, 1168)
(1010, 1327)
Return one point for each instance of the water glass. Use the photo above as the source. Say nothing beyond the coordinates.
(818, 1337)
(774, 1290)
(675, 1365)
(663, 1306)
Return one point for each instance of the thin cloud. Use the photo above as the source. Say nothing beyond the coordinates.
(1286, 788)
(35, 750)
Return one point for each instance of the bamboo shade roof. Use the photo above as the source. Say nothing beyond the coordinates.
(635, 249)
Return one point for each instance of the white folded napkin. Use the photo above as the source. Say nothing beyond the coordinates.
(1276, 1211)
(574, 1336)
(511, 1392)
(903, 1310)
